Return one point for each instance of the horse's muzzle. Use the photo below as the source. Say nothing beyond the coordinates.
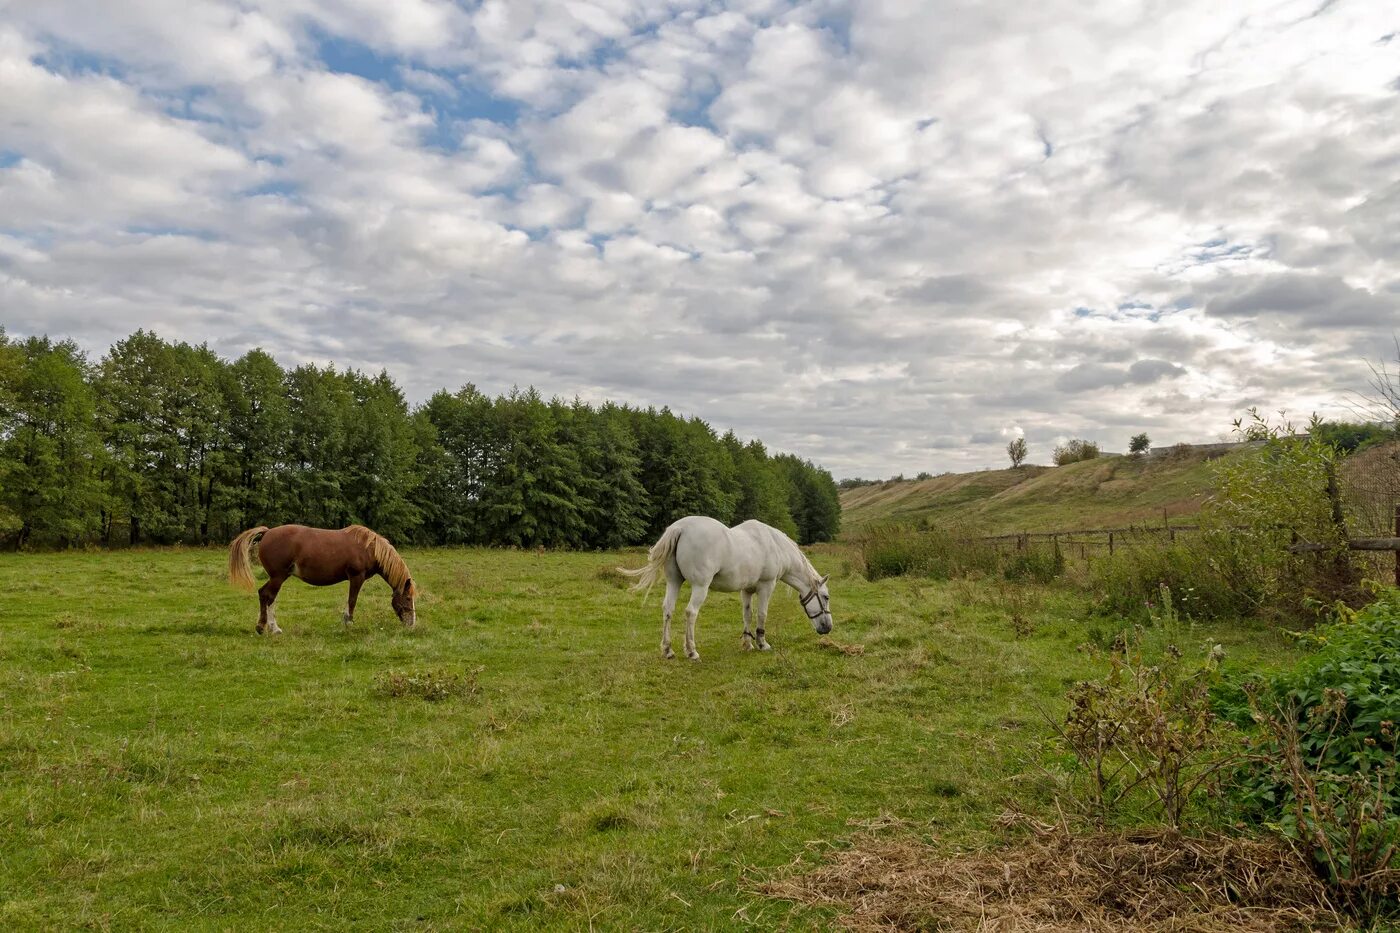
(823, 625)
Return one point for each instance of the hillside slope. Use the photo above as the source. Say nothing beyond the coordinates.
(1107, 492)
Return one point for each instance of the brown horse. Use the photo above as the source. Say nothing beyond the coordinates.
(321, 557)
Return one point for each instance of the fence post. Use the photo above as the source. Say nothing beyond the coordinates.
(1110, 544)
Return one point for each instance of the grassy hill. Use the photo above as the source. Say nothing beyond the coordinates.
(1108, 492)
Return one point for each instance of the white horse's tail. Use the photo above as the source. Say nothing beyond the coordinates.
(655, 568)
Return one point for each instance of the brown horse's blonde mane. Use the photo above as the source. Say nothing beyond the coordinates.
(390, 563)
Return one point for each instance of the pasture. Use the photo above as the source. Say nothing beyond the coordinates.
(165, 767)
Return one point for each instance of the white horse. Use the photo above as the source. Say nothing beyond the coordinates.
(749, 558)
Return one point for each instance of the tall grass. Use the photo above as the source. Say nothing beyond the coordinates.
(945, 553)
(1202, 573)
(1211, 576)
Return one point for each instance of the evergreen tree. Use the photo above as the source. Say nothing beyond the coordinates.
(169, 442)
(259, 429)
(814, 500)
(48, 445)
(320, 407)
(612, 500)
(196, 414)
(531, 499)
(683, 469)
(11, 365)
(380, 456)
(764, 486)
(458, 466)
(143, 451)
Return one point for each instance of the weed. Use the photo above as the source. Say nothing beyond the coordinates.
(1324, 770)
(433, 685)
(1145, 739)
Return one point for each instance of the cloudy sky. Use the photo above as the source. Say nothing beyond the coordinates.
(885, 234)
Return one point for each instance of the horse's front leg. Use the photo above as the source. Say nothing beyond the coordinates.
(692, 610)
(747, 639)
(349, 616)
(267, 595)
(764, 593)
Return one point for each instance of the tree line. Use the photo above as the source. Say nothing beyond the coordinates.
(165, 443)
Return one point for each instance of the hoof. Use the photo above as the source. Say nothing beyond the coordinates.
(765, 647)
(693, 655)
(668, 654)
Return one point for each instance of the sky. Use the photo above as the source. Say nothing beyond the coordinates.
(886, 235)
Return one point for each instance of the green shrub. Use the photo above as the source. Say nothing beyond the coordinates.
(1267, 498)
(1195, 570)
(937, 553)
(1075, 451)
(1324, 768)
(1145, 742)
(1036, 564)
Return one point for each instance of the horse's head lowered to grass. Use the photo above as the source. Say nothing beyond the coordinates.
(393, 569)
(403, 603)
(816, 602)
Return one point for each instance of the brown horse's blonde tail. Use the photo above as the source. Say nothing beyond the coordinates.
(240, 558)
(655, 567)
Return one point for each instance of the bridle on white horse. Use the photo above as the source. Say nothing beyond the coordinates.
(823, 605)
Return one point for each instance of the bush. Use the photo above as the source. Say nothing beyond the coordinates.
(1240, 564)
(1194, 570)
(1324, 768)
(943, 553)
(1075, 451)
(938, 553)
(1145, 740)
(1037, 564)
(1267, 498)
(1352, 436)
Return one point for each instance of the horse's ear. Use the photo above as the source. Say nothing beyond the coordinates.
(824, 579)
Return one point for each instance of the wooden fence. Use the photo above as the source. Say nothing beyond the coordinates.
(1387, 543)
(1110, 538)
(1085, 538)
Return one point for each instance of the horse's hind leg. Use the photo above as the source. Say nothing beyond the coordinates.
(698, 592)
(668, 607)
(747, 596)
(267, 618)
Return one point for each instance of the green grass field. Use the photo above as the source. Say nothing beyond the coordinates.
(1103, 493)
(164, 767)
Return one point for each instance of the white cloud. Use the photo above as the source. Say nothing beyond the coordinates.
(863, 232)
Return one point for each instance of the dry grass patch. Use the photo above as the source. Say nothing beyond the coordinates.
(831, 644)
(1055, 880)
